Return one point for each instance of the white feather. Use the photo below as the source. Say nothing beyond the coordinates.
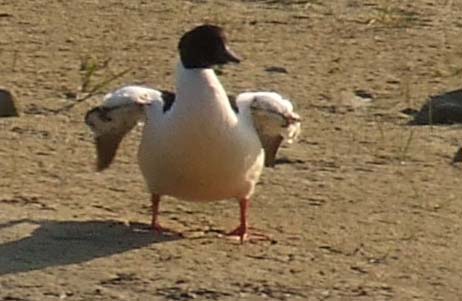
(131, 94)
(121, 110)
(272, 114)
(116, 116)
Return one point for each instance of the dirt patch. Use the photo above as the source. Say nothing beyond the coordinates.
(364, 207)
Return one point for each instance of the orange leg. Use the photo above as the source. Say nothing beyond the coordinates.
(242, 230)
(155, 200)
(155, 226)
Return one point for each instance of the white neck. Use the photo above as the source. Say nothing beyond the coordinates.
(199, 92)
(199, 87)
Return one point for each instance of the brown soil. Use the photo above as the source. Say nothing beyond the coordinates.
(364, 207)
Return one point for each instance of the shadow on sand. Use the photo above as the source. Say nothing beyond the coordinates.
(56, 243)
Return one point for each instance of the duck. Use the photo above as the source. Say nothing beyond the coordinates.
(198, 143)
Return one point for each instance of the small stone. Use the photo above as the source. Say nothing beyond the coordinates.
(7, 104)
(457, 156)
(364, 95)
(356, 99)
(276, 69)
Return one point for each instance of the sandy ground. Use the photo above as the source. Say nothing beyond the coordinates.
(364, 207)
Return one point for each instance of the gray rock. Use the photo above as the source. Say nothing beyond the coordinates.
(7, 104)
(457, 156)
(440, 109)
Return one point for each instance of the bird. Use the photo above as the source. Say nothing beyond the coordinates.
(198, 143)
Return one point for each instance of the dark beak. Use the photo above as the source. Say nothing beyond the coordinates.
(231, 56)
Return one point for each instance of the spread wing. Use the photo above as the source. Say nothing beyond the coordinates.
(120, 111)
(273, 118)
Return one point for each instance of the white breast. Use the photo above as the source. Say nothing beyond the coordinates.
(200, 149)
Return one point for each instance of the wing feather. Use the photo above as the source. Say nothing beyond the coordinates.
(115, 117)
(273, 118)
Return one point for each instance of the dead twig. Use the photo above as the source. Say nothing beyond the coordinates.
(93, 91)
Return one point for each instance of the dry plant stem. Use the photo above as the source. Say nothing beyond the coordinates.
(405, 149)
(95, 90)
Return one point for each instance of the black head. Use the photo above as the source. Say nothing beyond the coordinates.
(205, 46)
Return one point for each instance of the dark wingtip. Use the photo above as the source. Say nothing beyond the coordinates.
(271, 147)
(102, 165)
(270, 162)
(106, 149)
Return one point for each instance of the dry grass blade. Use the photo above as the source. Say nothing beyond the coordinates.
(405, 149)
(93, 91)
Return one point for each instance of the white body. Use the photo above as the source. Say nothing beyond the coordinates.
(200, 150)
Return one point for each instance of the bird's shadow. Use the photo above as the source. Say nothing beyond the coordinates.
(55, 243)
